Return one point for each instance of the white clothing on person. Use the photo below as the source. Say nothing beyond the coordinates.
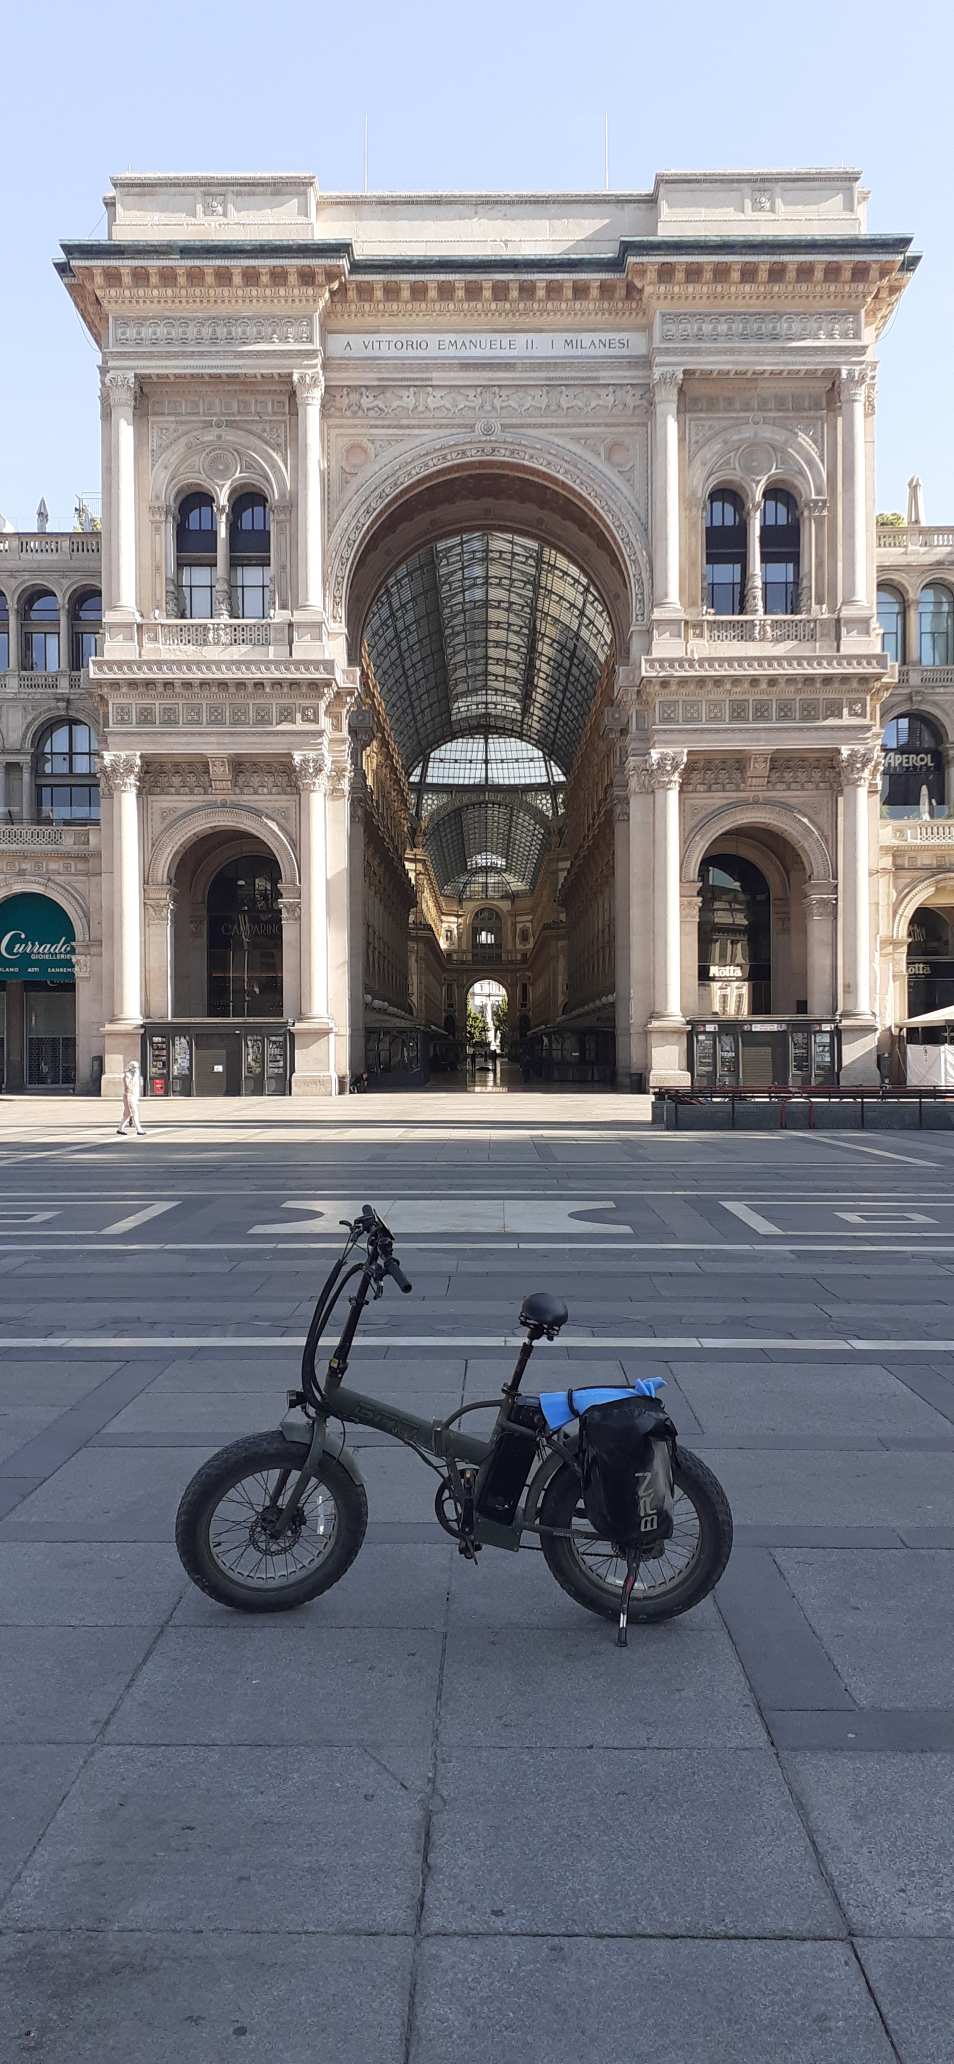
(132, 1090)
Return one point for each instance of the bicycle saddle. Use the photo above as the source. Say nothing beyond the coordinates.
(541, 1309)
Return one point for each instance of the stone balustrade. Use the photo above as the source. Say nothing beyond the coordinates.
(64, 545)
(160, 636)
(906, 537)
(777, 631)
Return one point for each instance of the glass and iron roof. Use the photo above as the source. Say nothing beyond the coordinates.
(487, 649)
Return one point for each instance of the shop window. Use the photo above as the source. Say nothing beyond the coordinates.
(40, 637)
(936, 625)
(725, 553)
(735, 929)
(4, 634)
(86, 622)
(196, 555)
(250, 556)
(891, 619)
(930, 961)
(780, 542)
(245, 939)
(912, 783)
(67, 790)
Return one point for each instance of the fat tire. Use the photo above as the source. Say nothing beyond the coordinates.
(243, 1458)
(691, 1475)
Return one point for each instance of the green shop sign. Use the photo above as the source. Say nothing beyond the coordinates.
(37, 941)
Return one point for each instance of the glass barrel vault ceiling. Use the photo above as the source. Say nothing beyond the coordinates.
(487, 649)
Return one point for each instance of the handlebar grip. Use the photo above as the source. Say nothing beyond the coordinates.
(394, 1269)
(367, 1217)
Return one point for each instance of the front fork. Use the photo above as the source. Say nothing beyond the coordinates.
(296, 1427)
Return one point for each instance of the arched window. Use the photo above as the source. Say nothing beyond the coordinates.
(780, 540)
(40, 641)
(86, 621)
(250, 556)
(67, 791)
(913, 775)
(245, 939)
(735, 931)
(725, 553)
(930, 960)
(487, 935)
(936, 625)
(4, 633)
(195, 554)
(891, 619)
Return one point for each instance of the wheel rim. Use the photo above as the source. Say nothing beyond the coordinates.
(658, 1575)
(249, 1543)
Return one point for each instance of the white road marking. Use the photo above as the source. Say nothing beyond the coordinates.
(824, 1139)
(31, 1218)
(446, 1213)
(227, 1343)
(749, 1217)
(138, 1218)
(881, 1217)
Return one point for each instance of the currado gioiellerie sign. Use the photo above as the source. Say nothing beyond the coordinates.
(37, 941)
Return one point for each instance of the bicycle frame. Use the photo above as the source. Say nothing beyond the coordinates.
(311, 1407)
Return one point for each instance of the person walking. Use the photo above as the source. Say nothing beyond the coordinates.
(132, 1090)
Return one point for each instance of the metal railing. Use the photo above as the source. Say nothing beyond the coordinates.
(865, 1096)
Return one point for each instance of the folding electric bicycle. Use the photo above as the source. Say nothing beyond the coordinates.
(275, 1519)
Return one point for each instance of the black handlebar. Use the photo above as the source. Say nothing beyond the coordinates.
(395, 1270)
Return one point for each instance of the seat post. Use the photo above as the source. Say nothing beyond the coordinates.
(510, 1389)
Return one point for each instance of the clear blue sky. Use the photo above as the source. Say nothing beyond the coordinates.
(507, 94)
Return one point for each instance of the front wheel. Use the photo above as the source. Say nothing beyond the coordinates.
(592, 1570)
(236, 1542)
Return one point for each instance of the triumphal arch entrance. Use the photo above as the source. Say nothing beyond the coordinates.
(488, 596)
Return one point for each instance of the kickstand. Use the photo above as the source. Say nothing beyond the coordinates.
(632, 1566)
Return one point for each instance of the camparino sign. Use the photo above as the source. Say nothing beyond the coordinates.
(37, 941)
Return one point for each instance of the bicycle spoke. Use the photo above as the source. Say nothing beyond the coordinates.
(255, 1544)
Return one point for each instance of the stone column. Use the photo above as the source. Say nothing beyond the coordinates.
(811, 585)
(912, 631)
(851, 395)
(861, 766)
(121, 392)
(290, 899)
(339, 917)
(64, 637)
(667, 1028)
(13, 637)
(171, 598)
(621, 928)
(754, 605)
(357, 925)
(820, 903)
(667, 771)
(314, 1037)
(159, 908)
(666, 382)
(121, 775)
(639, 778)
(309, 388)
(223, 590)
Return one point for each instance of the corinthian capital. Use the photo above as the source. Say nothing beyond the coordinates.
(309, 384)
(666, 382)
(119, 770)
(311, 769)
(667, 768)
(120, 389)
(861, 765)
(853, 382)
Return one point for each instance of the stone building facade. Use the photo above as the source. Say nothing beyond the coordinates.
(488, 588)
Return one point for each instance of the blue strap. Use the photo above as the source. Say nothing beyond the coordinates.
(560, 1406)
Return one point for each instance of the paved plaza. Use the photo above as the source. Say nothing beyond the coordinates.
(438, 1813)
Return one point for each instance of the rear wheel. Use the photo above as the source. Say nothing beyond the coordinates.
(592, 1571)
(238, 1544)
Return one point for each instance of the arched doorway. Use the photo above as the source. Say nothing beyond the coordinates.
(221, 994)
(930, 960)
(37, 994)
(488, 653)
(735, 938)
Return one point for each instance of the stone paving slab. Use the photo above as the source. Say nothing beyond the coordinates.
(86, 1584)
(834, 1397)
(36, 1779)
(913, 1983)
(890, 1643)
(184, 1839)
(59, 1684)
(620, 2002)
(769, 1487)
(883, 1829)
(85, 1998)
(531, 1842)
(298, 1683)
(390, 1587)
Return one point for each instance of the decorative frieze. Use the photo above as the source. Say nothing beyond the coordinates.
(759, 709)
(390, 402)
(762, 326)
(163, 333)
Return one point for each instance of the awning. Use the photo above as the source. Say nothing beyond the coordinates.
(37, 941)
(944, 1016)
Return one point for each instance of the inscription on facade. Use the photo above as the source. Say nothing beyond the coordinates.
(368, 345)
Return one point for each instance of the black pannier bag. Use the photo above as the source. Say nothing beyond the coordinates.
(626, 1460)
